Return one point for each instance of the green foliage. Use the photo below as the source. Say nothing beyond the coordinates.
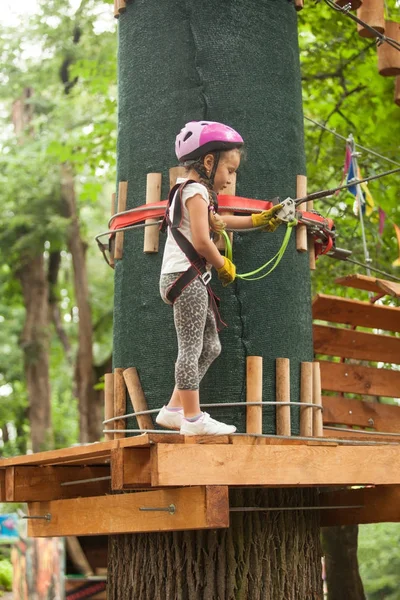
(379, 559)
(6, 573)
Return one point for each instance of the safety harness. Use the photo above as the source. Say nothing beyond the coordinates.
(198, 264)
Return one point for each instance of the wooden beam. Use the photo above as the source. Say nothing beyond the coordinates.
(369, 284)
(130, 468)
(152, 231)
(97, 450)
(381, 504)
(340, 377)
(27, 484)
(137, 397)
(345, 411)
(354, 312)
(347, 343)
(341, 433)
(122, 200)
(270, 465)
(2, 485)
(195, 508)
(254, 385)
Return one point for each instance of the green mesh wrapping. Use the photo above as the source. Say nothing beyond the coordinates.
(235, 61)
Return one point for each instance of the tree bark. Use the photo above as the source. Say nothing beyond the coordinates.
(342, 574)
(35, 345)
(262, 556)
(90, 424)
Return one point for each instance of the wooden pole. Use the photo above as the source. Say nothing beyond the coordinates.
(230, 190)
(372, 12)
(299, 4)
(77, 556)
(388, 56)
(119, 401)
(112, 241)
(122, 200)
(318, 430)
(254, 370)
(301, 230)
(109, 404)
(283, 395)
(174, 173)
(306, 395)
(137, 397)
(152, 232)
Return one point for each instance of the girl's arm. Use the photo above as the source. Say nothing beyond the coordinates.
(237, 222)
(200, 228)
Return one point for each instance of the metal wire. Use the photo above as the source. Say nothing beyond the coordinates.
(262, 435)
(288, 508)
(341, 137)
(346, 11)
(383, 433)
(241, 404)
(65, 483)
(360, 264)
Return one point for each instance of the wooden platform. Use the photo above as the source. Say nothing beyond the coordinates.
(183, 483)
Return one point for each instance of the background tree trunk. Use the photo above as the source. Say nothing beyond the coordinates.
(342, 574)
(35, 345)
(90, 424)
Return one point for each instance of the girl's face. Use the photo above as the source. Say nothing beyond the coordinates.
(227, 166)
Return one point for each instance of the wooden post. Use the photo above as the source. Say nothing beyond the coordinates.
(229, 191)
(122, 199)
(78, 556)
(299, 4)
(283, 395)
(254, 369)
(318, 430)
(301, 230)
(112, 241)
(119, 401)
(109, 404)
(388, 56)
(137, 397)
(397, 91)
(119, 7)
(152, 232)
(306, 395)
(372, 12)
(174, 173)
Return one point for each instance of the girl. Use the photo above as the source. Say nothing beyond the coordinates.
(211, 152)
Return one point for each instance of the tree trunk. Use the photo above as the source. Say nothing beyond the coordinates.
(342, 574)
(262, 556)
(90, 424)
(35, 345)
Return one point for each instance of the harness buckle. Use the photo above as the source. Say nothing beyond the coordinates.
(206, 278)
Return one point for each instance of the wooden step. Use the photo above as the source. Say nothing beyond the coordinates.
(370, 284)
(347, 343)
(355, 313)
(355, 379)
(346, 411)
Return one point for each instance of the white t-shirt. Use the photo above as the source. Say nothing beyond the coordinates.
(174, 260)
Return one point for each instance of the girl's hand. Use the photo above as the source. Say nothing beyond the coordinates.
(267, 219)
(226, 273)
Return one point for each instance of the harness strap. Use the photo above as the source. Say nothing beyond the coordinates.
(197, 262)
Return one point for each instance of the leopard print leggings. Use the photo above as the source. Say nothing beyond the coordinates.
(196, 330)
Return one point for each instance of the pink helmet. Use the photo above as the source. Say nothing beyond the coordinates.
(199, 137)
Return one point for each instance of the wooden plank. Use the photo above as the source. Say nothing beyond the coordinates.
(340, 377)
(79, 453)
(347, 343)
(370, 284)
(345, 411)
(130, 468)
(354, 312)
(33, 483)
(195, 508)
(2, 485)
(269, 465)
(381, 504)
(341, 433)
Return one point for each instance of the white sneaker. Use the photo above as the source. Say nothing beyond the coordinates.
(170, 419)
(205, 425)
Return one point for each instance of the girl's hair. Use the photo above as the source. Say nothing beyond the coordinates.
(216, 223)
